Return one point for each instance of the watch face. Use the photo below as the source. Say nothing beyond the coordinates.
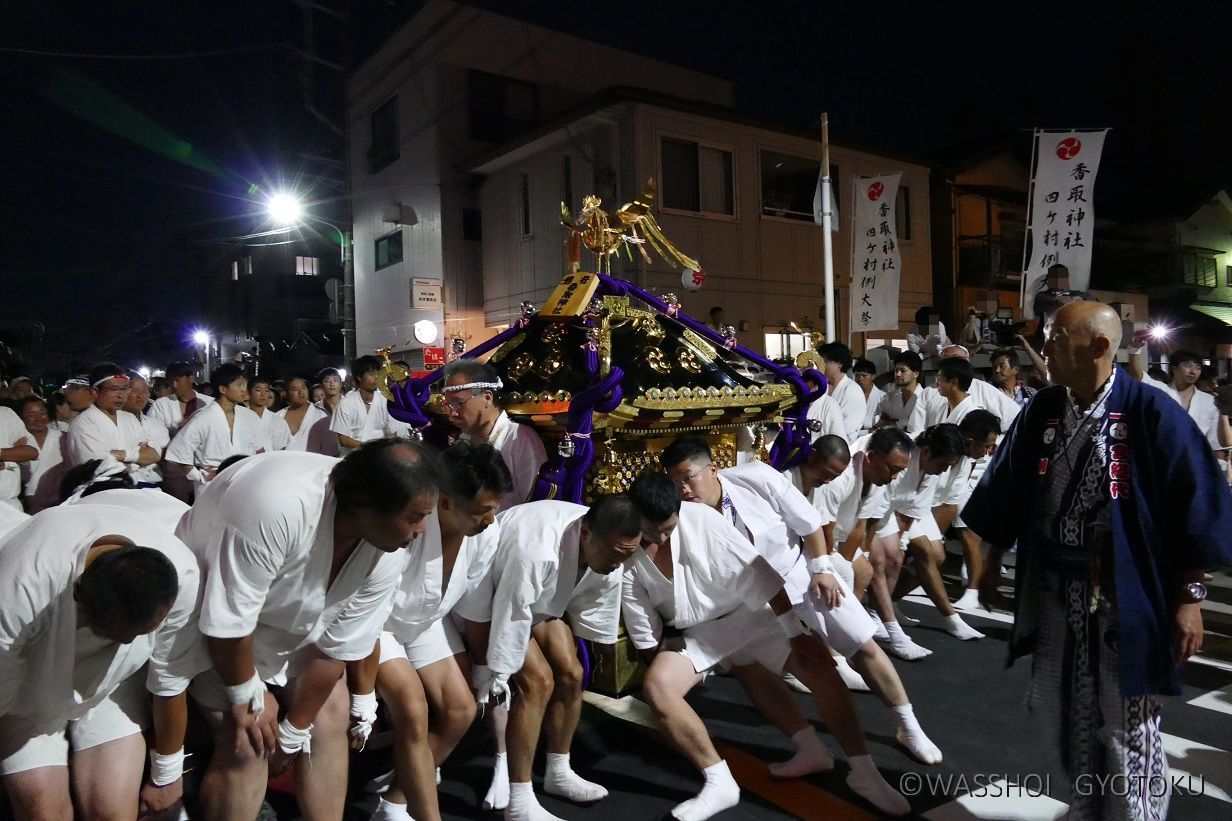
(1196, 590)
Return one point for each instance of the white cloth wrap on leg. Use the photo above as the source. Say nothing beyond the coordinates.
(363, 711)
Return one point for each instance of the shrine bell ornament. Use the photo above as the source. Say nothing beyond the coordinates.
(692, 279)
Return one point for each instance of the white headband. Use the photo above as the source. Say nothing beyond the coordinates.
(477, 386)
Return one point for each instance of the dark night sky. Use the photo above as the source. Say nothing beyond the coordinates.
(122, 179)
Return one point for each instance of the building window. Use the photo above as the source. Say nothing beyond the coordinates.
(472, 224)
(1227, 276)
(789, 183)
(566, 182)
(235, 271)
(524, 205)
(500, 108)
(1199, 270)
(389, 249)
(306, 267)
(902, 213)
(780, 345)
(697, 178)
(383, 149)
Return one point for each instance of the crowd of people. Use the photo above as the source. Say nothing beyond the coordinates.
(279, 560)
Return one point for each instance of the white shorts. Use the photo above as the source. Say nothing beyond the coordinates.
(29, 742)
(845, 628)
(767, 645)
(843, 568)
(926, 526)
(439, 640)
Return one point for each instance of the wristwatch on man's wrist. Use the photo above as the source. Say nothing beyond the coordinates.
(1193, 593)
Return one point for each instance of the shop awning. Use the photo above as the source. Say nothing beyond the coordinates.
(1221, 311)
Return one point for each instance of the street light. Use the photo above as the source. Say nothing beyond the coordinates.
(202, 338)
(287, 209)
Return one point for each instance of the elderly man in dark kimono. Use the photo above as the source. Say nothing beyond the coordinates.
(1117, 507)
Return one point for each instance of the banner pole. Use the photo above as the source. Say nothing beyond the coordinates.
(827, 221)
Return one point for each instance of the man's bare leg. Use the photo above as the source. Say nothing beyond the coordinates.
(234, 782)
(321, 777)
(670, 677)
(973, 556)
(497, 715)
(563, 712)
(811, 663)
(778, 705)
(41, 794)
(532, 691)
(887, 561)
(451, 705)
(871, 662)
(414, 771)
(107, 778)
(928, 557)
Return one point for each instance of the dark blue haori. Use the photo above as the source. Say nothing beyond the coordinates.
(1168, 506)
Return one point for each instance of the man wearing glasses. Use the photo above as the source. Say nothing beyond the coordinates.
(105, 429)
(470, 397)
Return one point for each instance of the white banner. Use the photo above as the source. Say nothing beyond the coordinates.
(874, 255)
(1062, 219)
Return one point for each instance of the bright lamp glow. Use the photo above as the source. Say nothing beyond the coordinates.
(1158, 332)
(342, 374)
(201, 337)
(284, 209)
(144, 371)
(425, 331)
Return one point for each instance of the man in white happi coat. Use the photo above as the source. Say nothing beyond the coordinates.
(910, 405)
(864, 372)
(10, 519)
(982, 431)
(470, 396)
(105, 482)
(105, 428)
(363, 414)
(97, 616)
(697, 573)
(829, 460)
(15, 450)
(552, 580)
(825, 416)
(420, 675)
(154, 433)
(274, 434)
(910, 523)
(306, 422)
(174, 410)
(225, 428)
(300, 553)
(843, 389)
(987, 395)
(1184, 368)
(40, 477)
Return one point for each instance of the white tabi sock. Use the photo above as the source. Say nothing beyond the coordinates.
(959, 629)
(880, 632)
(498, 793)
(560, 779)
(868, 784)
(389, 811)
(912, 736)
(720, 792)
(853, 680)
(811, 756)
(969, 600)
(902, 646)
(523, 806)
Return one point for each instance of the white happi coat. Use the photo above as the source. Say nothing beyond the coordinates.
(924, 409)
(826, 411)
(766, 507)
(871, 405)
(850, 399)
(911, 492)
(263, 532)
(845, 501)
(272, 431)
(12, 433)
(719, 587)
(156, 436)
(365, 422)
(162, 510)
(523, 453)
(42, 476)
(955, 486)
(994, 400)
(48, 667)
(534, 577)
(167, 412)
(424, 596)
(10, 519)
(207, 441)
(311, 427)
(1202, 409)
(92, 435)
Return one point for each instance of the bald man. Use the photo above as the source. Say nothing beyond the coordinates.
(1089, 482)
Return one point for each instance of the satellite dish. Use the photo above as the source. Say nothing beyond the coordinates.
(333, 287)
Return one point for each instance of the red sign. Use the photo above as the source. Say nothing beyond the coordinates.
(434, 358)
(875, 191)
(1068, 148)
